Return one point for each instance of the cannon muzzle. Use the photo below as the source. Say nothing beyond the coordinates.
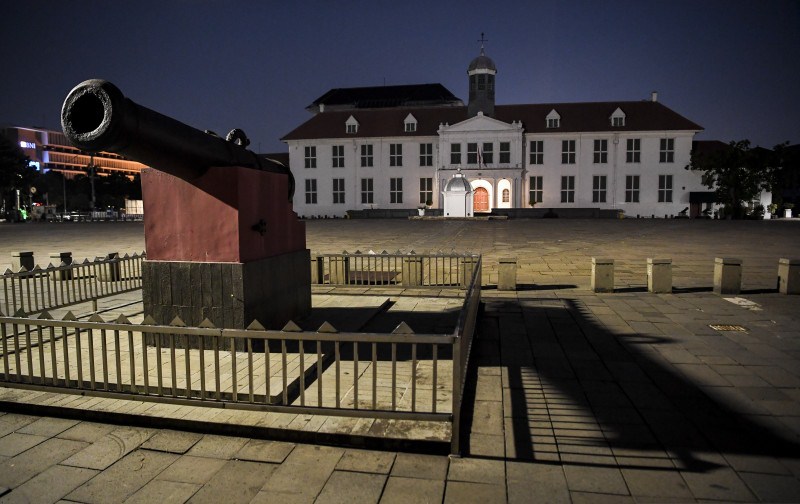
(96, 117)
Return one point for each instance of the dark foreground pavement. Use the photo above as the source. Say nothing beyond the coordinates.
(577, 397)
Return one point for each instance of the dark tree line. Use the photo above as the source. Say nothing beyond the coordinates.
(738, 173)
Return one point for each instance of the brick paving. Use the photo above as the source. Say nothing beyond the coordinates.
(577, 397)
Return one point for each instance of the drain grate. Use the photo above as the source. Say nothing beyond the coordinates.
(727, 327)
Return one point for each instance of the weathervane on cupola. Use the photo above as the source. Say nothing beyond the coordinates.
(481, 73)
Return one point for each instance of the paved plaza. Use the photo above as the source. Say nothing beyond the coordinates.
(576, 396)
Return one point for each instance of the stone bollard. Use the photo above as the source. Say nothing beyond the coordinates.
(602, 275)
(789, 276)
(22, 260)
(659, 275)
(412, 271)
(727, 275)
(109, 272)
(507, 274)
(340, 270)
(57, 259)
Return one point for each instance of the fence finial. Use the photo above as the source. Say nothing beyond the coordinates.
(207, 324)
(122, 319)
(291, 327)
(403, 328)
(20, 313)
(149, 320)
(45, 315)
(255, 325)
(96, 318)
(326, 327)
(177, 322)
(70, 316)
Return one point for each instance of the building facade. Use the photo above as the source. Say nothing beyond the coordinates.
(398, 148)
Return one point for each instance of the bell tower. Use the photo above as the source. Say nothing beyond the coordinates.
(481, 73)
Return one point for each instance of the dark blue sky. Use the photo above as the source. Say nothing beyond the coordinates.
(731, 66)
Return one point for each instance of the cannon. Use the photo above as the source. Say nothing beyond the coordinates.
(223, 242)
(96, 117)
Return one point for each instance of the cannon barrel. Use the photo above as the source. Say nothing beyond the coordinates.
(96, 117)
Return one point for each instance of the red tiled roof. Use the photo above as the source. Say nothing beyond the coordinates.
(575, 118)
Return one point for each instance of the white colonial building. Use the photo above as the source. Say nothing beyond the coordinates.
(397, 147)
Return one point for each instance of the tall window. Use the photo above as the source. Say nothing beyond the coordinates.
(426, 154)
(535, 191)
(338, 191)
(310, 156)
(425, 191)
(337, 156)
(488, 153)
(311, 191)
(632, 189)
(366, 155)
(505, 152)
(537, 152)
(634, 152)
(455, 154)
(568, 152)
(472, 153)
(395, 154)
(396, 190)
(568, 189)
(665, 188)
(601, 151)
(599, 189)
(367, 195)
(667, 152)
(506, 195)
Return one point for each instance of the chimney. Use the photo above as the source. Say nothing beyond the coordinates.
(322, 107)
(654, 96)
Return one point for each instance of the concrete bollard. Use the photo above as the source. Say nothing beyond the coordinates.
(57, 259)
(507, 274)
(602, 275)
(789, 276)
(110, 272)
(727, 275)
(340, 270)
(412, 271)
(659, 275)
(22, 260)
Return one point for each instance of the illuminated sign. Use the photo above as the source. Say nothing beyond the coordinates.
(35, 165)
(27, 145)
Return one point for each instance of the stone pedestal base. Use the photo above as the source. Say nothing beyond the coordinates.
(659, 275)
(602, 275)
(789, 276)
(231, 295)
(507, 274)
(727, 275)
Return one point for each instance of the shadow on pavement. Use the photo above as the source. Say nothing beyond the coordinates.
(576, 393)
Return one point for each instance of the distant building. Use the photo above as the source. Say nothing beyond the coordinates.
(397, 147)
(50, 150)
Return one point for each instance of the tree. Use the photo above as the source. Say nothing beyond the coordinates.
(737, 173)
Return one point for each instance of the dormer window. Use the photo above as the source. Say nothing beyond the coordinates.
(352, 125)
(618, 118)
(553, 119)
(410, 124)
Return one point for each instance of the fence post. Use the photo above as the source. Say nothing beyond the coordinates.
(659, 275)
(602, 275)
(317, 275)
(412, 271)
(507, 274)
(467, 268)
(727, 275)
(22, 260)
(789, 276)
